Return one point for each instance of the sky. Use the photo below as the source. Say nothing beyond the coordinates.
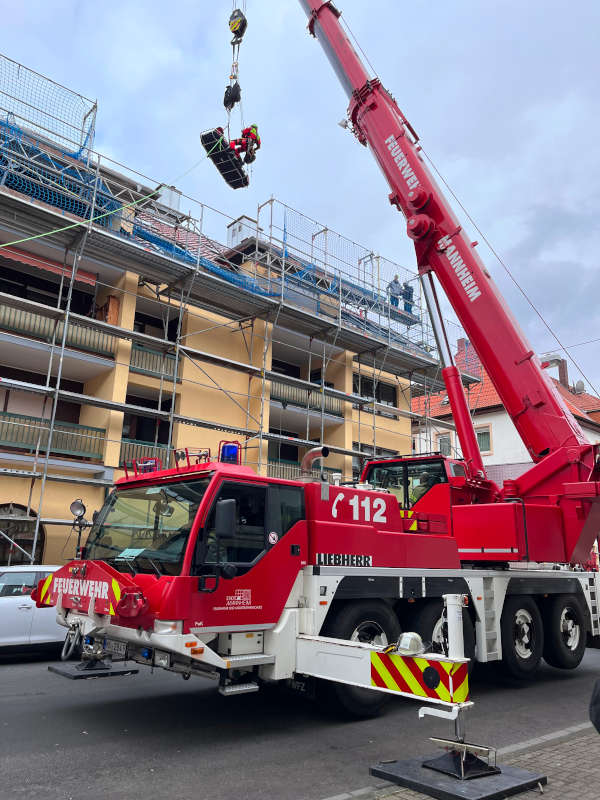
(504, 95)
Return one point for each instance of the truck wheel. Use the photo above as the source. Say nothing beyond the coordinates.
(522, 635)
(564, 632)
(428, 624)
(370, 622)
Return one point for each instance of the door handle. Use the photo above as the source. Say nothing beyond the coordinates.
(25, 608)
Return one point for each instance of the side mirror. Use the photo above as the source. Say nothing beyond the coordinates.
(228, 570)
(225, 518)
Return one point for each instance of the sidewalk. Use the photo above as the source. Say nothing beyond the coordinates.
(571, 763)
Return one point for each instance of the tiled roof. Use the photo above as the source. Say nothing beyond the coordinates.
(483, 395)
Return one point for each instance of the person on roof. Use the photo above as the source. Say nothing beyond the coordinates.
(248, 143)
(395, 291)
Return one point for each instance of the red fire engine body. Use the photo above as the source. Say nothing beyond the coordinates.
(211, 569)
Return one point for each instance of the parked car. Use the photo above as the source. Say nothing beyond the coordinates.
(21, 623)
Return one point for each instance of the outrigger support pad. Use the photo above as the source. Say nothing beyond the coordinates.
(226, 160)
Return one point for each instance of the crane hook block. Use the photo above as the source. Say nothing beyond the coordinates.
(225, 159)
(237, 25)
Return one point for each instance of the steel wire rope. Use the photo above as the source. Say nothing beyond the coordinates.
(508, 271)
(134, 203)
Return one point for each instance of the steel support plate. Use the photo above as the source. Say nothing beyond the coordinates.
(413, 775)
(70, 671)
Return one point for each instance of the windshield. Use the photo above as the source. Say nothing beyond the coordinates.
(408, 481)
(146, 528)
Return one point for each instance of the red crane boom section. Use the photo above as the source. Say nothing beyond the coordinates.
(541, 417)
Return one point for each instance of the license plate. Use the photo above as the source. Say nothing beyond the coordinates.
(117, 648)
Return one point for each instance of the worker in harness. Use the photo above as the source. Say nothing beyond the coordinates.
(248, 143)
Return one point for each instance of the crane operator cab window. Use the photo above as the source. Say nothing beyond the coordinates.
(422, 476)
(408, 481)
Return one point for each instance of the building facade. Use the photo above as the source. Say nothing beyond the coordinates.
(128, 330)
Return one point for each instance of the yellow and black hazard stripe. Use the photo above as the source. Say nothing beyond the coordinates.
(408, 515)
(421, 677)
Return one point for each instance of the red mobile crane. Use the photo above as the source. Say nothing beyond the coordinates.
(210, 569)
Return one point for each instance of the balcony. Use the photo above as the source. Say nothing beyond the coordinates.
(23, 432)
(152, 362)
(26, 323)
(290, 470)
(295, 396)
(134, 450)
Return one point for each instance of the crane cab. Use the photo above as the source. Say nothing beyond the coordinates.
(413, 480)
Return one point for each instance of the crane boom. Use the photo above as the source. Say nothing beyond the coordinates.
(540, 415)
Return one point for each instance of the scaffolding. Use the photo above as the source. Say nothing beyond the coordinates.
(68, 210)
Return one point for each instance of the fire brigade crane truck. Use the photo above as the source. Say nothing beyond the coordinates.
(210, 569)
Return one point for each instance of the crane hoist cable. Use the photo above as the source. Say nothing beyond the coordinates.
(232, 156)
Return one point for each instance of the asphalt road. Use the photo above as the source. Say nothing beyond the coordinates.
(156, 736)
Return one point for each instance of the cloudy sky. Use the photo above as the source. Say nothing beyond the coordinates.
(504, 95)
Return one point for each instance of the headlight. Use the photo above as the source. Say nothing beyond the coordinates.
(161, 659)
(168, 626)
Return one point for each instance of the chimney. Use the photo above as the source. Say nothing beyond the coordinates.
(563, 373)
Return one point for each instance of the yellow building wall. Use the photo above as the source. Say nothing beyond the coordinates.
(60, 544)
(112, 384)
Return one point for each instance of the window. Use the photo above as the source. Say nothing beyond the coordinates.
(484, 439)
(421, 476)
(15, 584)
(444, 443)
(146, 528)
(281, 451)
(283, 368)
(315, 377)
(21, 529)
(458, 470)
(384, 393)
(291, 500)
(247, 540)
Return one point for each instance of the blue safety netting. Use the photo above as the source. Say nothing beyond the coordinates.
(30, 170)
(37, 172)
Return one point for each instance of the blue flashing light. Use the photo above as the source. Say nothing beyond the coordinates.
(229, 453)
(88, 640)
(146, 652)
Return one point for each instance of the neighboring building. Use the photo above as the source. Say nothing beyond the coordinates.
(127, 332)
(504, 454)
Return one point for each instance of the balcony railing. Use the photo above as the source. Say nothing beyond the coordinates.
(23, 432)
(290, 470)
(133, 450)
(151, 362)
(38, 327)
(303, 397)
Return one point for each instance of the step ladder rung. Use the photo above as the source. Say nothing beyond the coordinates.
(238, 688)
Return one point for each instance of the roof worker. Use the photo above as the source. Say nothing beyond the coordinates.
(395, 291)
(408, 293)
(426, 481)
(248, 143)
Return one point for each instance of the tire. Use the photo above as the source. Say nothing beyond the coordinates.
(72, 646)
(428, 624)
(564, 632)
(369, 621)
(522, 633)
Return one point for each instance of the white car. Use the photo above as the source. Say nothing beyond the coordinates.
(21, 623)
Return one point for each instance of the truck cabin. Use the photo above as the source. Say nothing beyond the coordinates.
(411, 479)
(192, 520)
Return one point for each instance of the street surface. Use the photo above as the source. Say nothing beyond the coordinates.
(157, 736)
